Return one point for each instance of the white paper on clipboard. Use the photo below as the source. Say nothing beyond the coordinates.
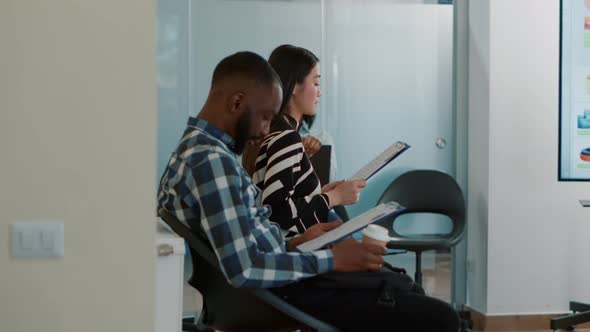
(355, 224)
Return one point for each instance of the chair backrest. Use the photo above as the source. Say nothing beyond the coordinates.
(321, 163)
(341, 212)
(228, 308)
(430, 191)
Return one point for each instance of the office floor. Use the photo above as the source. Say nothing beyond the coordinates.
(547, 330)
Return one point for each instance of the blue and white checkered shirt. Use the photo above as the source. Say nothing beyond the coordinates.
(204, 185)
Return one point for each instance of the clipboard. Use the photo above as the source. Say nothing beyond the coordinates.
(373, 215)
(384, 158)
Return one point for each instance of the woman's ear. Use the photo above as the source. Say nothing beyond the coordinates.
(296, 89)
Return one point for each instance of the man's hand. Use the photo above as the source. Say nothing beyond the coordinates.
(311, 144)
(319, 229)
(313, 232)
(353, 256)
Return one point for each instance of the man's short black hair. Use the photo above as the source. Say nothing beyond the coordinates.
(248, 65)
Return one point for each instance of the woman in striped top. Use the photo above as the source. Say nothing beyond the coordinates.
(282, 169)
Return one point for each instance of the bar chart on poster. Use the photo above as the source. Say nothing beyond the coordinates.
(574, 104)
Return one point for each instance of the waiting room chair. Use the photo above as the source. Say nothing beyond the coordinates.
(227, 308)
(425, 191)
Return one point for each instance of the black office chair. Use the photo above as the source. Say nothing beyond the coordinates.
(426, 191)
(228, 308)
(321, 161)
(340, 210)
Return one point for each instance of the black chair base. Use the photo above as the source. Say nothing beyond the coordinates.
(189, 325)
(465, 320)
(580, 315)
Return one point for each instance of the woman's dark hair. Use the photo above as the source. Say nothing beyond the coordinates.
(292, 64)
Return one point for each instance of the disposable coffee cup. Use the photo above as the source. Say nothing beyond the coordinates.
(375, 234)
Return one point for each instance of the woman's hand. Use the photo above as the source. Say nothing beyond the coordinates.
(346, 193)
(311, 144)
(331, 186)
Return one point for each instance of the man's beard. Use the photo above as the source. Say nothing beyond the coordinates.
(243, 131)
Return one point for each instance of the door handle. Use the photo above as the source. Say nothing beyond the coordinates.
(441, 143)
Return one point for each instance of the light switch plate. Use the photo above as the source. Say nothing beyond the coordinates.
(37, 239)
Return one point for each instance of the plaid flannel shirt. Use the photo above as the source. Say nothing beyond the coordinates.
(204, 185)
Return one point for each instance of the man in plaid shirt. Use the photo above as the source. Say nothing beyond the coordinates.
(205, 186)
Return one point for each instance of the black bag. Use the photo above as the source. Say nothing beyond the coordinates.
(389, 282)
(316, 294)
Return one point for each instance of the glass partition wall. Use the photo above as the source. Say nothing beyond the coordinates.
(387, 75)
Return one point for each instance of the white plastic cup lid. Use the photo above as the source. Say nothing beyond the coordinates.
(376, 232)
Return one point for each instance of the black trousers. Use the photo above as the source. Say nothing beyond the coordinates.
(359, 310)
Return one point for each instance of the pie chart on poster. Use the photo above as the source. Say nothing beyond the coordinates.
(585, 154)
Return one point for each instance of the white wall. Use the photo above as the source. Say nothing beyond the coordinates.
(388, 77)
(368, 84)
(77, 143)
(173, 55)
(257, 26)
(535, 227)
(478, 156)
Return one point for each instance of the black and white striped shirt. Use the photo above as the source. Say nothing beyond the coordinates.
(287, 179)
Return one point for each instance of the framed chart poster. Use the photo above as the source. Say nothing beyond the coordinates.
(574, 91)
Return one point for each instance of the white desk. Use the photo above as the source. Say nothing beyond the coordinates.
(169, 280)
